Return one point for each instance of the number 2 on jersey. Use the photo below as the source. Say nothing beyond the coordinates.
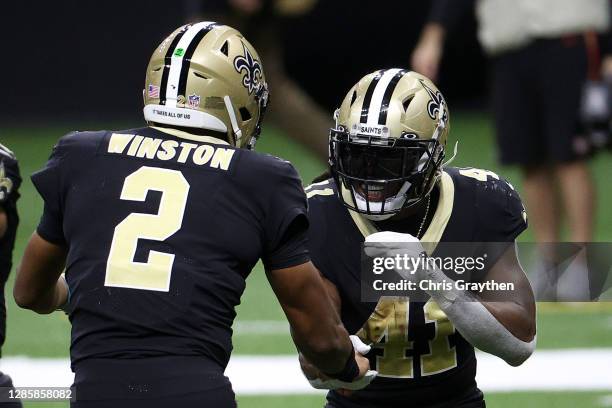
(154, 274)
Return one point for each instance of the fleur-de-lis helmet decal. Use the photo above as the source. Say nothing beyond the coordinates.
(436, 102)
(252, 70)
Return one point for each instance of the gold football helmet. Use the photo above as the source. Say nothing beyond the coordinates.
(208, 76)
(389, 141)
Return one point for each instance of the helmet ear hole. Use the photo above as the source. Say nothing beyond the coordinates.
(200, 75)
(406, 103)
(244, 114)
(225, 48)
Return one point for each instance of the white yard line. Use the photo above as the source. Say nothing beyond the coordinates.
(259, 327)
(547, 370)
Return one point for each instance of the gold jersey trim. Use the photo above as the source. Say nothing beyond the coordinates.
(438, 223)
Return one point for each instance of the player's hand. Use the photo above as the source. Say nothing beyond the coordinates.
(388, 244)
(63, 294)
(361, 349)
(320, 381)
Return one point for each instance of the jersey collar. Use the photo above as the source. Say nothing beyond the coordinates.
(189, 136)
(438, 223)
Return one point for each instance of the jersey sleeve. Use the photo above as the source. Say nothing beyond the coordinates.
(286, 222)
(501, 211)
(318, 233)
(10, 179)
(47, 182)
(501, 219)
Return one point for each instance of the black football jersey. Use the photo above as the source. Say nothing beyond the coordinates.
(421, 359)
(162, 229)
(10, 180)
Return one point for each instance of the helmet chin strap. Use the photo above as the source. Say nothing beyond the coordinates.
(232, 116)
(396, 202)
(373, 217)
(449, 161)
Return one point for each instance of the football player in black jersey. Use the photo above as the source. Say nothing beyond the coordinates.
(10, 180)
(388, 178)
(158, 228)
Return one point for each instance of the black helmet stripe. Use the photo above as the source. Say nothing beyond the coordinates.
(367, 100)
(187, 58)
(167, 62)
(384, 106)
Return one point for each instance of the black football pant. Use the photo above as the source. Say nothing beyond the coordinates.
(473, 398)
(215, 398)
(150, 383)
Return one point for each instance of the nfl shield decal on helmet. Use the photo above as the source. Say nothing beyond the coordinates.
(193, 101)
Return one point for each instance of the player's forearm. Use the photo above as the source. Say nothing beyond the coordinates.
(46, 301)
(480, 326)
(315, 325)
(339, 332)
(318, 332)
(329, 353)
(38, 285)
(514, 317)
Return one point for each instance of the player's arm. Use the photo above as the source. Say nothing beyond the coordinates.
(514, 309)
(39, 285)
(502, 324)
(315, 323)
(309, 369)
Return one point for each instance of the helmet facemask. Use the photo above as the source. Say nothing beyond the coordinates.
(262, 96)
(382, 176)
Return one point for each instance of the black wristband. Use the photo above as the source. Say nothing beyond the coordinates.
(350, 370)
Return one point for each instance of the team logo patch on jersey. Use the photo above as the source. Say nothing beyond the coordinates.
(193, 101)
(251, 68)
(6, 184)
(433, 107)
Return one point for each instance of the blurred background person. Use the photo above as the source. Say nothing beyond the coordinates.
(293, 110)
(540, 54)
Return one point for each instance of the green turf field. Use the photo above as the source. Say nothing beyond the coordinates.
(559, 327)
